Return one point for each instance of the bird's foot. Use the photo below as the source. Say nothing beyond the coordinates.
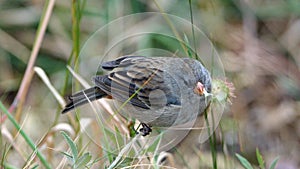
(145, 130)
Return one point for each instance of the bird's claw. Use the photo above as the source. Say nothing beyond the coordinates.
(145, 130)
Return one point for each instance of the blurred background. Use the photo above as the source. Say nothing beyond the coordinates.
(258, 44)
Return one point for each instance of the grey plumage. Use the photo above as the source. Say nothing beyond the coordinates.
(159, 90)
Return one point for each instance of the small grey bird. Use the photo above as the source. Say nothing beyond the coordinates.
(157, 91)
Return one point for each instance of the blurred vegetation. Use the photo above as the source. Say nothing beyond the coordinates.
(258, 43)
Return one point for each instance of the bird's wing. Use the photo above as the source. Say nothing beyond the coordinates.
(138, 80)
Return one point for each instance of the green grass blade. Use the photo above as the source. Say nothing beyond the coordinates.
(67, 155)
(212, 141)
(27, 139)
(193, 29)
(34, 167)
(72, 145)
(83, 160)
(8, 166)
(244, 161)
(260, 159)
(273, 164)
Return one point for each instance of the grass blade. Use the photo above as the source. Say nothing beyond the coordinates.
(71, 145)
(244, 161)
(260, 159)
(273, 164)
(27, 139)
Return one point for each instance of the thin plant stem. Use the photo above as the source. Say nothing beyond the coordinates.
(212, 141)
(193, 30)
(27, 139)
(173, 28)
(22, 92)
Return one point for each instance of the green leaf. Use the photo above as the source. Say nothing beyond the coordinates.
(70, 157)
(273, 164)
(71, 145)
(244, 161)
(83, 160)
(260, 159)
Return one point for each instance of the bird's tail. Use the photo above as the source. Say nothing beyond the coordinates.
(83, 97)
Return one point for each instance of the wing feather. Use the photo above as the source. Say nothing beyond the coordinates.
(137, 79)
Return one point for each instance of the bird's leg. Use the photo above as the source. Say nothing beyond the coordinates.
(145, 130)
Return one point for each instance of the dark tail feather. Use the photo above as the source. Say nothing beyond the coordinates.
(83, 97)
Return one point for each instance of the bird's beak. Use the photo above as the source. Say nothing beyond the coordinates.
(200, 89)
